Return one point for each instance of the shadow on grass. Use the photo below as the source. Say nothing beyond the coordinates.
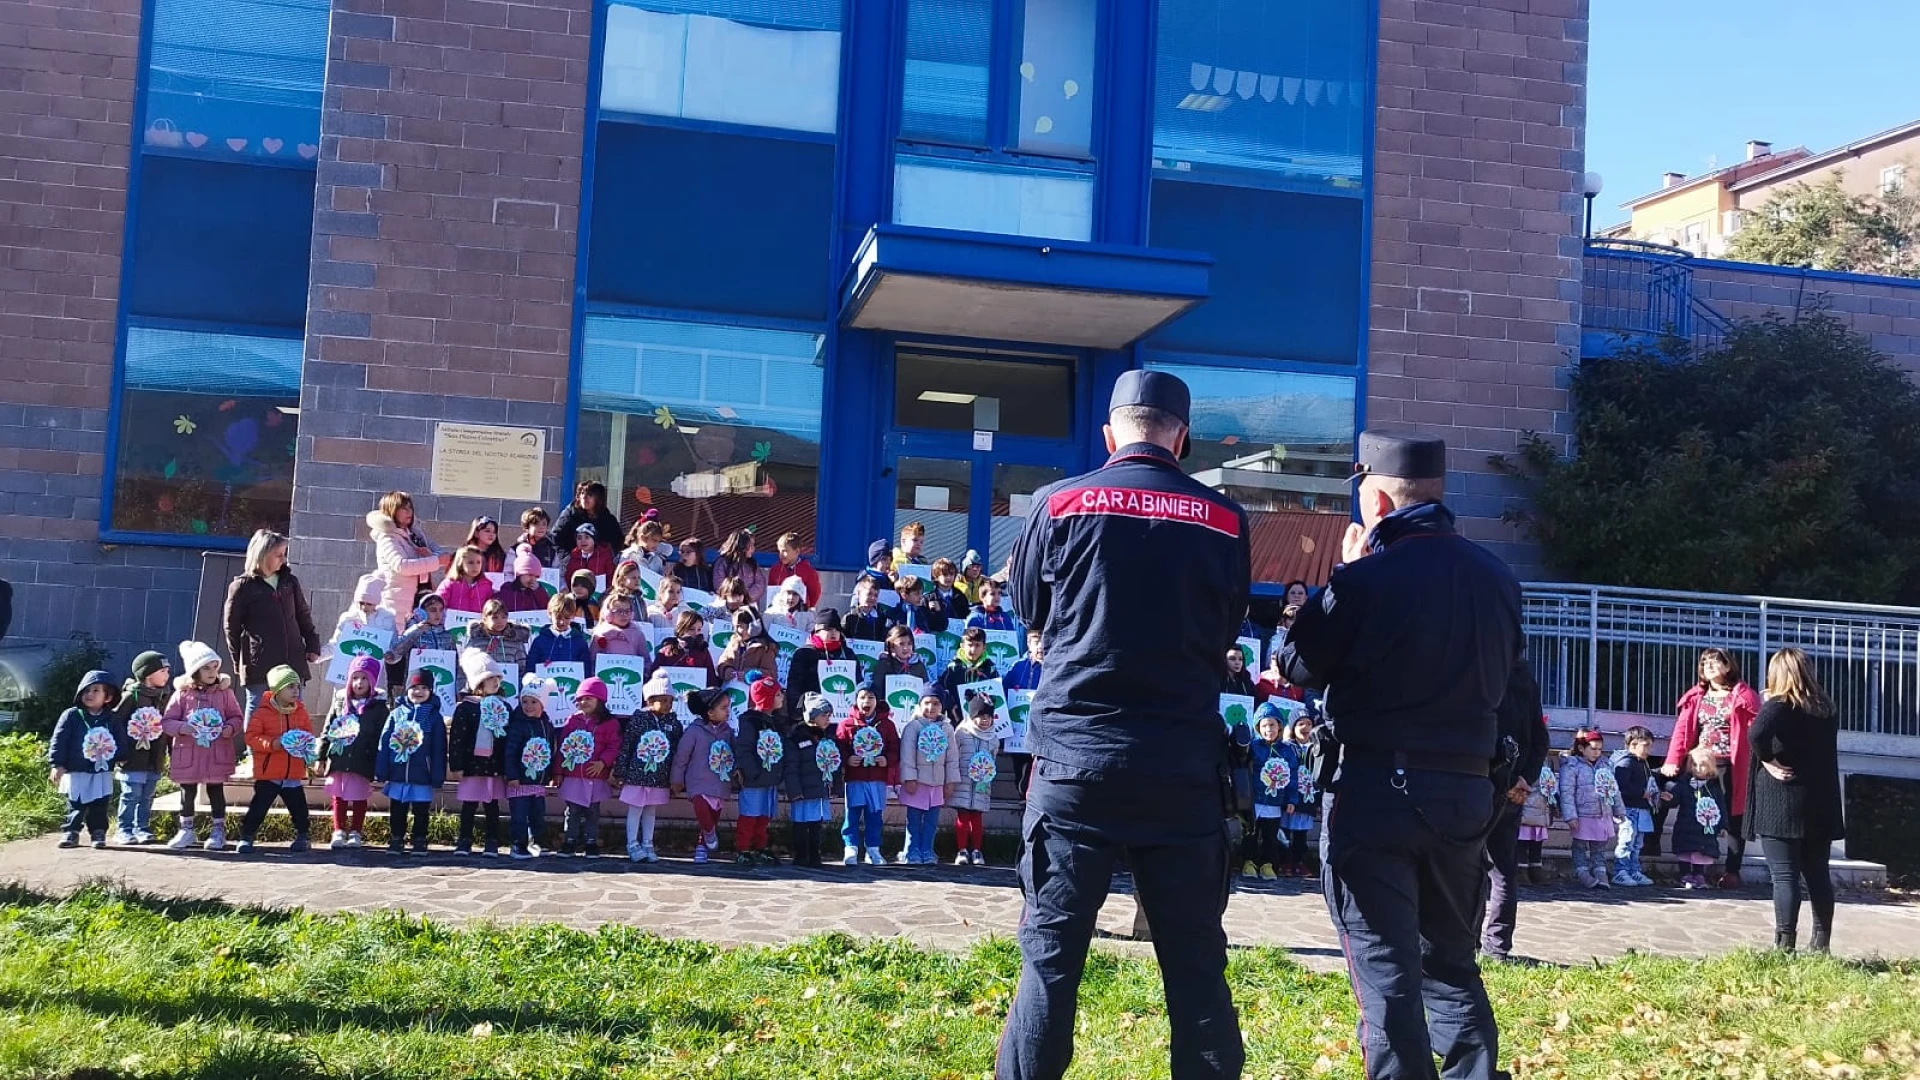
(99, 890)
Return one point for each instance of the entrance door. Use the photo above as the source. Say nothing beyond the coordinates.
(973, 436)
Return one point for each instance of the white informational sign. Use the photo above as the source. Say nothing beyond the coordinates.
(926, 649)
(903, 693)
(923, 571)
(485, 461)
(532, 620)
(887, 598)
(1236, 709)
(995, 692)
(683, 679)
(650, 584)
(866, 654)
(838, 679)
(456, 623)
(353, 644)
(930, 497)
(497, 579)
(624, 676)
(510, 682)
(786, 640)
(719, 635)
(1250, 652)
(566, 677)
(736, 693)
(946, 644)
(1019, 505)
(982, 440)
(439, 663)
(1004, 647)
(552, 580)
(1018, 703)
(699, 599)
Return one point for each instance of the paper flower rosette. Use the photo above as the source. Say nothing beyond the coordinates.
(981, 769)
(144, 726)
(1273, 775)
(493, 715)
(720, 758)
(576, 748)
(1305, 781)
(536, 756)
(343, 730)
(99, 745)
(933, 744)
(405, 739)
(826, 757)
(652, 748)
(1706, 811)
(1549, 785)
(300, 743)
(206, 725)
(1604, 785)
(769, 747)
(868, 745)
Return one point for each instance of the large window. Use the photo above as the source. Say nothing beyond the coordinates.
(1281, 444)
(757, 63)
(1018, 98)
(236, 78)
(206, 433)
(1258, 89)
(717, 427)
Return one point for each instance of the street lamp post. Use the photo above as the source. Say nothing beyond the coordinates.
(1590, 187)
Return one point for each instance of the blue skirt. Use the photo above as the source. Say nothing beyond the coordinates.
(759, 802)
(409, 793)
(1297, 822)
(867, 794)
(805, 811)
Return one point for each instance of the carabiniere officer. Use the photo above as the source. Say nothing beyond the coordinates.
(1413, 640)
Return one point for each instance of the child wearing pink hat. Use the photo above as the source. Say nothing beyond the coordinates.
(523, 592)
(349, 747)
(586, 766)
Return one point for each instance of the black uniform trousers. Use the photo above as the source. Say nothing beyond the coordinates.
(1503, 895)
(1403, 870)
(1173, 837)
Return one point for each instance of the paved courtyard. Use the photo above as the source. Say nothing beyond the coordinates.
(945, 908)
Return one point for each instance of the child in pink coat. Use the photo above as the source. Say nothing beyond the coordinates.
(585, 784)
(202, 719)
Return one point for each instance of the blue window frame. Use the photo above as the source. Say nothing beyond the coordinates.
(203, 445)
(717, 425)
(236, 78)
(750, 63)
(1251, 91)
(1279, 441)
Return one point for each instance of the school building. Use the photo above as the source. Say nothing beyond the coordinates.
(820, 266)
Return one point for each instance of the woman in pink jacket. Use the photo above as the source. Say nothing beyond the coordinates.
(1716, 714)
(202, 720)
(405, 556)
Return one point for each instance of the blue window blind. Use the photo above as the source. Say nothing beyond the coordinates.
(759, 63)
(773, 14)
(1275, 88)
(711, 222)
(231, 365)
(949, 55)
(237, 78)
(736, 375)
(221, 241)
(1286, 271)
(1053, 78)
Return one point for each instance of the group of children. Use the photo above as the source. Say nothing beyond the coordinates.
(1608, 804)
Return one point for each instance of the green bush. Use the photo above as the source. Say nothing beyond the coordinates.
(29, 805)
(39, 711)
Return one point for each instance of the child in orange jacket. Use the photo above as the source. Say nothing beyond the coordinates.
(280, 735)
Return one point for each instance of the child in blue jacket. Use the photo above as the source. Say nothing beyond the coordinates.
(413, 760)
(87, 740)
(1274, 766)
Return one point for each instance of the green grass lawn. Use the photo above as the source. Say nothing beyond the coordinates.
(29, 805)
(112, 984)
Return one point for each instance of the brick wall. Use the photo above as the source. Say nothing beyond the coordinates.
(1886, 310)
(1475, 298)
(447, 200)
(66, 113)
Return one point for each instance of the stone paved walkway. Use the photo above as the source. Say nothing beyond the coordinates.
(946, 908)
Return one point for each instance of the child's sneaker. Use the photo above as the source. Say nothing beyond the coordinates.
(144, 837)
(491, 851)
(520, 853)
(356, 840)
(300, 844)
(566, 851)
(592, 851)
(463, 848)
(420, 847)
(979, 857)
(700, 854)
(535, 850)
(874, 857)
(633, 852)
(1625, 880)
(743, 859)
(70, 840)
(1584, 877)
(217, 837)
(961, 858)
(1642, 879)
(1266, 872)
(1248, 870)
(852, 859)
(396, 847)
(647, 854)
(124, 839)
(99, 843)
(339, 841)
(244, 847)
(181, 841)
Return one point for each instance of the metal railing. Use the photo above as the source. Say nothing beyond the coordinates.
(1641, 290)
(1624, 650)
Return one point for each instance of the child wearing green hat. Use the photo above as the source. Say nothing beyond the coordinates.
(143, 758)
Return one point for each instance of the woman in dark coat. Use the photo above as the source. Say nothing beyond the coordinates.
(267, 619)
(1794, 806)
(589, 507)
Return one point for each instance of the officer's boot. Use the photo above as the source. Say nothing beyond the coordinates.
(1783, 940)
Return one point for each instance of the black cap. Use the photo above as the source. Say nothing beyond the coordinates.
(826, 619)
(1403, 456)
(1157, 390)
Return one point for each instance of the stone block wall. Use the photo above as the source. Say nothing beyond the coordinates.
(1885, 310)
(445, 214)
(67, 73)
(1478, 158)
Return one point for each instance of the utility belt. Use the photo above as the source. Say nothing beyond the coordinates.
(1401, 761)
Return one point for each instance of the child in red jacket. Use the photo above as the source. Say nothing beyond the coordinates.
(589, 554)
(871, 749)
(589, 744)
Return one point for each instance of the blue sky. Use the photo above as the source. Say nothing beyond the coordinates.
(1681, 85)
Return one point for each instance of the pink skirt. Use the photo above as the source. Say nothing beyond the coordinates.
(1594, 829)
(581, 791)
(635, 795)
(481, 789)
(929, 797)
(1533, 832)
(526, 791)
(349, 787)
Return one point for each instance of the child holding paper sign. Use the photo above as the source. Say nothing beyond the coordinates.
(529, 758)
(705, 765)
(280, 757)
(365, 613)
(503, 642)
(349, 748)
(203, 718)
(523, 592)
(899, 659)
(645, 767)
(430, 633)
(929, 768)
(871, 749)
(690, 630)
(618, 634)
(587, 748)
(466, 587)
(413, 761)
(562, 641)
(751, 654)
(970, 664)
(988, 614)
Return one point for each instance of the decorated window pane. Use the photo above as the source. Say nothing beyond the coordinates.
(237, 78)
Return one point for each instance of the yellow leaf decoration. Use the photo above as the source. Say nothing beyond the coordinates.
(664, 417)
(184, 425)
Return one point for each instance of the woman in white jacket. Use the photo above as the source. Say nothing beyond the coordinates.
(403, 554)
